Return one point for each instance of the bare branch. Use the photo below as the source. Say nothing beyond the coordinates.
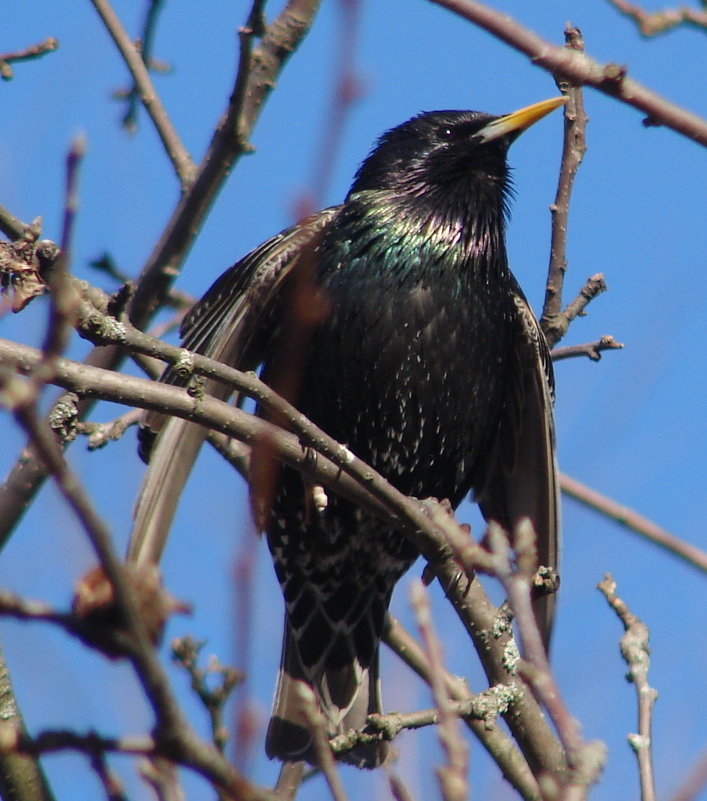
(185, 651)
(63, 297)
(51, 741)
(161, 775)
(11, 226)
(347, 90)
(452, 775)
(585, 760)
(177, 153)
(635, 651)
(100, 434)
(145, 45)
(173, 739)
(112, 785)
(491, 633)
(260, 75)
(652, 23)
(289, 780)
(573, 150)
(171, 726)
(317, 728)
(497, 698)
(630, 519)
(33, 51)
(21, 775)
(591, 350)
(256, 78)
(611, 79)
(334, 470)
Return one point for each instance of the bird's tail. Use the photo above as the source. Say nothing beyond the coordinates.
(170, 464)
(346, 696)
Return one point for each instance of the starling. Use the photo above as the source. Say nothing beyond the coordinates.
(427, 363)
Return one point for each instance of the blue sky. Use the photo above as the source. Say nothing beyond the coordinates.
(632, 425)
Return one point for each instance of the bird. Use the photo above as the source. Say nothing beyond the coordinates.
(421, 355)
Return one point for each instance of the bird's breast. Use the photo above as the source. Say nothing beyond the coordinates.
(411, 375)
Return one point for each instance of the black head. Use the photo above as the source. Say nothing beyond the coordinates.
(447, 150)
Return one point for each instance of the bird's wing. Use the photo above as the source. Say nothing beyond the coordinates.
(233, 323)
(522, 477)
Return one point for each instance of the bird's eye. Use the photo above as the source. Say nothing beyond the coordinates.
(444, 132)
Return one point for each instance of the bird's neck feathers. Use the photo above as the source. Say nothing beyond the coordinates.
(458, 226)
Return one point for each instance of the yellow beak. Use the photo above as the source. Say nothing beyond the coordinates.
(518, 121)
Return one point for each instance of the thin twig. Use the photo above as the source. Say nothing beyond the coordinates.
(108, 639)
(175, 150)
(218, 415)
(33, 51)
(591, 350)
(635, 651)
(63, 297)
(317, 728)
(652, 23)
(146, 42)
(53, 740)
(485, 706)
(491, 735)
(574, 146)
(256, 78)
(185, 651)
(112, 785)
(610, 78)
(161, 775)
(289, 780)
(452, 775)
(593, 286)
(100, 434)
(629, 518)
(585, 761)
(398, 789)
(11, 226)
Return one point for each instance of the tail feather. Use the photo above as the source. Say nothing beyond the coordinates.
(346, 696)
(170, 464)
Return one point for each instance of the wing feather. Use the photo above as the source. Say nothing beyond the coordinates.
(522, 479)
(233, 323)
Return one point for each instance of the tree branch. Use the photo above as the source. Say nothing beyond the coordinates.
(611, 79)
(452, 774)
(33, 51)
(574, 146)
(652, 23)
(21, 775)
(258, 78)
(175, 150)
(145, 46)
(334, 467)
(591, 350)
(632, 520)
(498, 699)
(635, 651)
